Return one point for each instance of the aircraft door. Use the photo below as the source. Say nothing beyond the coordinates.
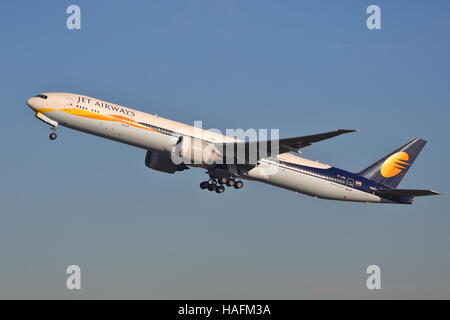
(350, 184)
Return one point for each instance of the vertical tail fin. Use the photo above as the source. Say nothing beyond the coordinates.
(391, 169)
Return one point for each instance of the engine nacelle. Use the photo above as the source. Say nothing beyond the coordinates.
(161, 162)
(197, 152)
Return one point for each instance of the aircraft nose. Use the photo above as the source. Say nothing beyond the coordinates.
(32, 102)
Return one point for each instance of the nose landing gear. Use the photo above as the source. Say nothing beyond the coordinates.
(53, 124)
(53, 136)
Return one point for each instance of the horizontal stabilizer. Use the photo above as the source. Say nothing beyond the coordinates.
(406, 192)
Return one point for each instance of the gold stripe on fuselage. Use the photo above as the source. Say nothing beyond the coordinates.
(96, 116)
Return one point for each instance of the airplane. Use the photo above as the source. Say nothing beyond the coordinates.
(167, 142)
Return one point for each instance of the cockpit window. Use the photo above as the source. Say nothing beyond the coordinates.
(41, 96)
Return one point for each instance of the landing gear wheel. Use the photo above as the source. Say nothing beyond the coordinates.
(223, 180)
(220, 189)
(211, 187)
(230, 182)
(238, 185)
(53, 136)
(204, 185)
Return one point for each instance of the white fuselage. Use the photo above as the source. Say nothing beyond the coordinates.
(158, 134)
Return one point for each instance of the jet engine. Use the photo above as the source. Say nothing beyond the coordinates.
(161, 162)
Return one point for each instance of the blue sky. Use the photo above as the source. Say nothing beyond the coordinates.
(301, 66)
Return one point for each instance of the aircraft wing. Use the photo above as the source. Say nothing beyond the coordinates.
(294, 144)
(251, 151)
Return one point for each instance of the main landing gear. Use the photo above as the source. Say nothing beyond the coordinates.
(217, 184)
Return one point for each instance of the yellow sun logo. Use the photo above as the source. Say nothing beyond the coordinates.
(395, 164)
